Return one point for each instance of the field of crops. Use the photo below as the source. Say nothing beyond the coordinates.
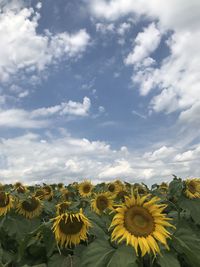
(116, 224)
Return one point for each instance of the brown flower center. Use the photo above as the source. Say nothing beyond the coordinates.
(4, 199)
(86, 188)
(111, 187)
(70, 227)
(31, 204)
(138, 221)
(102, 202)
(63, 207)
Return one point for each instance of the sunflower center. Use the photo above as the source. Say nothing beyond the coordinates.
(138, 221)
(4, 199)
(63, 207)
(72, 226)
(30, 205)
(86, 188)
(111, 187)
(192, 187)
(102, 202)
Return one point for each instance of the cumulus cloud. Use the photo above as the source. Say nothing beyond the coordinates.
(23, 48)
(177, 77)
(145, 43)
(41, 118)
(50, 161)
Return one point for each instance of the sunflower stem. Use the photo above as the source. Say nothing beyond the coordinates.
(58, 248)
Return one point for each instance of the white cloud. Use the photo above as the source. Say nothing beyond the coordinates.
(177, 79)
(105, 28)
(50, 161)
(41, 118)
(123, 28)
(145, 43)
(22, 48)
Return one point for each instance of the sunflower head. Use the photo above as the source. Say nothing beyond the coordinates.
(40, 193)
(6, 202)
(30, 208)
(139, 189)
(67, 195)
(141, 224)
(21, 189)
(163, 188)
(62, 207)
(113, 188)
(192, 188)
(85, 188)
(48, 192)
(60, 186)
(70, 228)
(121, 195)
(1, 187)
(102, 202)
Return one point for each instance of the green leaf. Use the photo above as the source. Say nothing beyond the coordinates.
(97, 254)
(192, 205)
(124, 256)
(168, 259)
(176, 187)
(62, 261)
(186, 242)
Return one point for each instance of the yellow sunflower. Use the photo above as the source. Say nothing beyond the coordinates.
(70, 228)
(141, 223)
(192, 188)
(163, 188)
(113, 188)
(85, 188)
(6, 202)
(139, 189)
(66, 194)
(62, 207)
(101, 202)
(30, 208)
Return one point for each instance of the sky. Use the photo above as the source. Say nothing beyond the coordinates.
(99, 89)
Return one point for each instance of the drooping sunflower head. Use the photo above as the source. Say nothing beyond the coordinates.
(21, 189)
(102, 202)
(163, 188)
(17, 184)
(121, 195)
(192, 188)
(6, 202)
(85, 188)
(141, 224)
(66, 194)
(60, 186)
(70, 228)
(40, 193)
(48, 192)
(62, 207)
(30, 208)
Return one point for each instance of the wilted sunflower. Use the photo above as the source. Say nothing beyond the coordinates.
(48, 192)
(85, 188)
(141, 223)
(192, 188)
(30, 208)
(6, 202)
(101, 202)
(163, 188)
(62, 207)
(60, 186)
(70, 228)
(40, 193)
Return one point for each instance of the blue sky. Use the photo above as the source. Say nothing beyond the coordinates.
(99, 90)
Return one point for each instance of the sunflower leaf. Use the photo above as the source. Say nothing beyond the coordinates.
(192, 205)
(168, 259)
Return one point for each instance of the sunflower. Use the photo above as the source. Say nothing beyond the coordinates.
(192, 188)
(60, 186)
(40, 193)
(66, 194)
(62, 207)
(48, 192)
(141, 223)
(121, 195)
(70, 228)
(85, 188)
(113, 188)
(1, 187)
(30, 208)
(6, 202)
(163, 188)
(139, 189)
(102, 202)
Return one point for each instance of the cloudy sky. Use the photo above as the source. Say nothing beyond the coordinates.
(99, 89)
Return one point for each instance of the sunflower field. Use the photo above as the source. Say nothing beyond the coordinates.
(116, 224)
